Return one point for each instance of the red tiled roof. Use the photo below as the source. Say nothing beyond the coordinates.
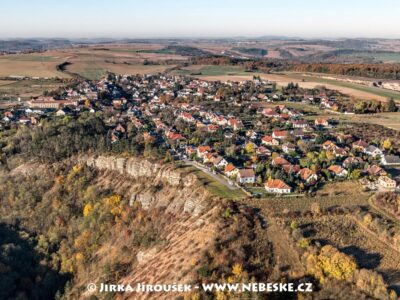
(276, 184)
(229, 168)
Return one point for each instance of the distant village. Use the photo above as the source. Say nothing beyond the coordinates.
(233, 130)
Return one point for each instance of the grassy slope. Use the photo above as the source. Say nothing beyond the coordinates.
(213, 186)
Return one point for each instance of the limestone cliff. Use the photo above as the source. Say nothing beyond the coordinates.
(153, 184)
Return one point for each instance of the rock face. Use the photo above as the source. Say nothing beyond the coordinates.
(155, 185)
(140, 168)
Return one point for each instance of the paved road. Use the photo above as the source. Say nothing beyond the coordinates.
(215, 176)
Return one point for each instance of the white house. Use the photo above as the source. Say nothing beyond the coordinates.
(386, 182)
(373, 151)
(219, 162)
(246, 176)
(277, 186)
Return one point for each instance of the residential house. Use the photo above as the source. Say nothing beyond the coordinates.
(328, 145)
(246, 176)
(212, 128)
(230, 170)
(187, 117)
(360, 145)
(219, 162)
(289, 148)
(190, 150)
(291, 169)
(269, 141)
(375, 170)
(279, 135)
(175, 137)
(279, 161)
(299, 124)
(321, 122)
(390, 160)
(373, 151)
(352, 162)
(307, 175)
(386, 182)
(262, 151)
(61, 113)
(235, 124)
(277, 186)
(203, 150)
(339, 152)
(338, 171)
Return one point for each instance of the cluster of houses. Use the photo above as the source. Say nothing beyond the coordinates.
(269, 135)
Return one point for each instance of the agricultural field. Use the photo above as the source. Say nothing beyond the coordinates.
(25, 89)
(95, 62)
(387, 119)
(353, 89)
(31, 65)
(210, 72)
(346, 194)
(91, 62)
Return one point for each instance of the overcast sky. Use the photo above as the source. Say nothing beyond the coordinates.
(202, 18)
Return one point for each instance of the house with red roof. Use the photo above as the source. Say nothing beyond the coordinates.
(279, 134)
(269, 141)
(279, 161)
(203, 150)
(277, 186)
(321, 122)
(307, 175)
(337, 171)
(230, 170)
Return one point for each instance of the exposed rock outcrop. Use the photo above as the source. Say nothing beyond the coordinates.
(154, 184)
(141, 168)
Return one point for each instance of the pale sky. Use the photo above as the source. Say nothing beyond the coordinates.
(202, 18)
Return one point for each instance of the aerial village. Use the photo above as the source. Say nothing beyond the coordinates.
(244, 133)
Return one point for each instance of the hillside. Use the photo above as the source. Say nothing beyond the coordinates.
(128, 220)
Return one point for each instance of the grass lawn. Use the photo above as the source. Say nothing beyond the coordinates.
(213, 186)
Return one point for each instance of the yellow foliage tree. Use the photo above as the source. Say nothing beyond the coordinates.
(114, 204)
(330, 262)
(237, 269)
(87, 209)
(250, 148)
(79, 256)
(387, 144)
(329, 155)
(76, 168)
